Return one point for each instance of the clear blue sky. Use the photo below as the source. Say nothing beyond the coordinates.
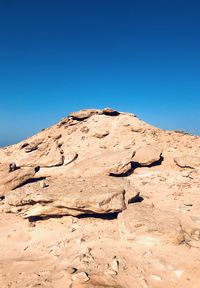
(60, 56)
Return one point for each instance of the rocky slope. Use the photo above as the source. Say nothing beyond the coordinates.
(101, 199)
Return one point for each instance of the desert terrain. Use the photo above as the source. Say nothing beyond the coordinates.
(101, 199)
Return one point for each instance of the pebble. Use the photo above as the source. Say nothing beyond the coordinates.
(80, 277)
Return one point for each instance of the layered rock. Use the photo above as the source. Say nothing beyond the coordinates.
(107, 163)
(148, 154)
(188, 161)
(44, 154)
(147, 225)
(114, 204)
(84, 114)
(71, 196)
(12, 178)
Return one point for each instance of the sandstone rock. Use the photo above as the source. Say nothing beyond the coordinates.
(107, 163)
(101, 135)
(43, 184)
(147, 225)
(71, 270)
(110, 112)
(130, 249)
(69, 197)
(83, 114)
(9, 180)
(84, 129)
(147, 155)
(47, 155)
(69, 157)
(12, 167)
(188, 161)
(29, 147)
(113, 267)
(81, 277)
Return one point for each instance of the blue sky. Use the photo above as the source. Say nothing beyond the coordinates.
(60, 56)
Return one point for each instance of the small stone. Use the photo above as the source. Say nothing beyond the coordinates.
(101, 135)
(178, 273)
(84, 129)
(71, 270)
(188, 204)
(80, 277)
(12, 167)
(79, 241)
(43, 184)
(156, 278)
(115, 265)
(111, 272)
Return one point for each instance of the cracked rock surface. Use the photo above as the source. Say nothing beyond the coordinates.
(100, 199)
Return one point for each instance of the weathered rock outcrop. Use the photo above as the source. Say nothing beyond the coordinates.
(147, 225)
(107, 163)
(147, 155)
(115, 204)
(110, 112)
(44, 155)
(84, 114)
(11, 179)
(71, 196)
(188, 161)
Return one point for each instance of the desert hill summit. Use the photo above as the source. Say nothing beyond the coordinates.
(101, 199)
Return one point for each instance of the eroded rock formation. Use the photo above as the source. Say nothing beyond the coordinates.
(100, 199)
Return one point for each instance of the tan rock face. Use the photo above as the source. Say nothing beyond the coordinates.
(44, 156)
(149, 226)
(188, 161)
(110, 162)
(147, 155)
(12, 179)
(106, 208)
(69, 197)
(69, 157)
(83, 114)
(110, 112)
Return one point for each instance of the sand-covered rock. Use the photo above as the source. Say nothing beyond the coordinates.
(83, 114)
(148, 154)
(147, 225)
(63, 196)
(106, 163)
(11, 179)
(100, 199)
(188, 161)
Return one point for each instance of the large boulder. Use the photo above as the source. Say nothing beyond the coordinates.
(110, 112)
(84, 114)
(11, 176)
(149, 226)
(68, 196)
(188, 161)
(147, 155)
(113, 163)
(44, 155)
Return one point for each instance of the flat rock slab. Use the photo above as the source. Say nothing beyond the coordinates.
(84, 114)
(9, 180)
(149, 226)
(68, 196)
(107, 163)
(147, 155)
(45, 155)
(188, 161)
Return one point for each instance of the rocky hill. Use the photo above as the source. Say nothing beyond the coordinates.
(101, 199)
